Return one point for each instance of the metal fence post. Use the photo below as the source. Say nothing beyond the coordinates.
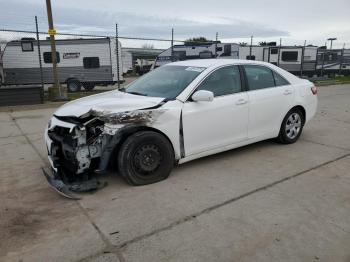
(279, 53)
(250, 49)
(172, 44)
(117, 52)
(341, 59)
(302, 59)
(216, 45)
(39, 56)
(323, 55)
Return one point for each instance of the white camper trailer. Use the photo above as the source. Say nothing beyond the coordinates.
(127, 62)
(251, 53)
(197, 51)
(290, 58)
(80, 62)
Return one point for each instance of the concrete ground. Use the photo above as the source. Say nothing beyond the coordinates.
(263, 202)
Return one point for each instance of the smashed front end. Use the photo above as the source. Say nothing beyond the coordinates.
(81, 147)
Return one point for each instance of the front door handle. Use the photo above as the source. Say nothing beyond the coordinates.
(287, 92)
(241, 101)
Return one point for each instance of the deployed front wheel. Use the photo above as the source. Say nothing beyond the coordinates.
(291, 127)
(145, 157)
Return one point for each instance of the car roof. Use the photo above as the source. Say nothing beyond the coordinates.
(215, 62)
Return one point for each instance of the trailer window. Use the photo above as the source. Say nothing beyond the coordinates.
(290, 56)
(91, 62)
(250, 57)
(48, 57)
(27, 46)
(273, 51)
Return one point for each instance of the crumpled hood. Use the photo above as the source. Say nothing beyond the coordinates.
(108, 102)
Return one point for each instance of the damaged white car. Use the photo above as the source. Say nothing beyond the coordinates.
(174, 114)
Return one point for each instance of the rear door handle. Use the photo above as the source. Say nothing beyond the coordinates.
(241, 101)
(287, 92)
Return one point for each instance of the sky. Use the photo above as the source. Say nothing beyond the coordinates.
(235, 21)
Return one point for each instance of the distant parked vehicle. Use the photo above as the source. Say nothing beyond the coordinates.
(81, 62)
(197, 51)
(174, 114)
(143, 66)
(127, 62)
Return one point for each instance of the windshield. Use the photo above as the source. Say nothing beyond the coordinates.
(165, 81)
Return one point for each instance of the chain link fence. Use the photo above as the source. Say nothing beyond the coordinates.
(104, 62)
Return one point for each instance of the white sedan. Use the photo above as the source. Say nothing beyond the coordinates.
(177, 113)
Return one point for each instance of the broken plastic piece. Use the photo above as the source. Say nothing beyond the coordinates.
(57, 184)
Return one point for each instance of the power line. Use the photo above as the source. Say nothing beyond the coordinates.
(92, 35)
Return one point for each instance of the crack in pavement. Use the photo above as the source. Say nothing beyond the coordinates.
(229, 201)
(327, 145)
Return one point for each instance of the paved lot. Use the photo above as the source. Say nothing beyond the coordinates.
(263, 202)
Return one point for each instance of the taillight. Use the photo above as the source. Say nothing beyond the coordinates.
(314, 90)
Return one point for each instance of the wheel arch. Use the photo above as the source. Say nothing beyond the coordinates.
(302, 109)
(125, 132)
(71, 78)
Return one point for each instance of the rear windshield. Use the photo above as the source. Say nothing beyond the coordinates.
(165, 81)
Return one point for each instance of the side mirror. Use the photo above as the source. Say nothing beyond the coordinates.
(203, 95)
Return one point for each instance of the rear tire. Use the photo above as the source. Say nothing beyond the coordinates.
(145, 157)
(73, 85)
(291, 127)
(88, 86)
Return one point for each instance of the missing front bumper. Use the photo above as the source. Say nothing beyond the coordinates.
(69, 190)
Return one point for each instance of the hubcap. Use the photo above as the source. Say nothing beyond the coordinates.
(293, 125)
(147, 158)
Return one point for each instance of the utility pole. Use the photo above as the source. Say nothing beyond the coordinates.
(61, 94)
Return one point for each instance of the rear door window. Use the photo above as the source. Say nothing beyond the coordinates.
(259, 77)
(279, 80)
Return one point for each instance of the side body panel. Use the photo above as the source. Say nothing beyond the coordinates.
(209, 125)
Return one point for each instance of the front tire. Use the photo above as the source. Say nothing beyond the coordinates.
(291, 127)
(145, 157)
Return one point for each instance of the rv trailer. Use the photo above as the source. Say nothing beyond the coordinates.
(196, 51)
(80, 62)
(299, 60)
(331, 61)
(295, 59)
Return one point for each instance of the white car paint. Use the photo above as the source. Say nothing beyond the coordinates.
(197, 129)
